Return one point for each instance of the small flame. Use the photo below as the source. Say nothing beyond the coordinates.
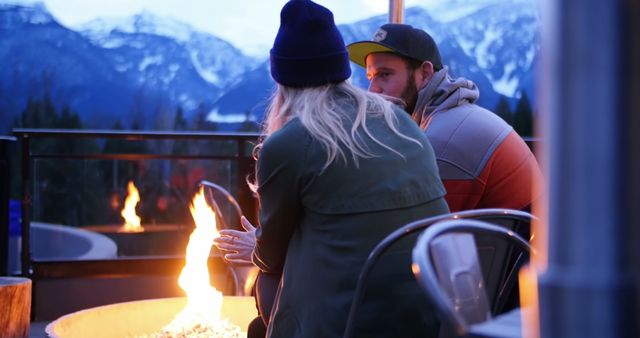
(131, 219)
(204, 302)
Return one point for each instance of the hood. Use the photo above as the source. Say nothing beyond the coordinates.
(441, 94)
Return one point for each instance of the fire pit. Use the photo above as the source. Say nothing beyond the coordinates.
(141, 318)
(134, 239)
(205, 312)
(160, 239)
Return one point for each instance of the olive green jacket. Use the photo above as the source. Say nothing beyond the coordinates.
(318, 226)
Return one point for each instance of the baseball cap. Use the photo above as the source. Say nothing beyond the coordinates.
(401, 39)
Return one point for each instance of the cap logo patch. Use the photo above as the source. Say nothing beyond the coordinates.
(380, 35)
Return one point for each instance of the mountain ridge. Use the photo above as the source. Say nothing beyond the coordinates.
(137, 68)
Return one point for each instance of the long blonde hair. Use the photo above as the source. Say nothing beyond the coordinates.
(322, 113)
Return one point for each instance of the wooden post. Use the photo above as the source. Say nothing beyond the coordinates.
(15, 302)
(396, 11)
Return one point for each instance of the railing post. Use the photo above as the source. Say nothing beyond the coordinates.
(5, 183)
(246, 168)
(25, 250)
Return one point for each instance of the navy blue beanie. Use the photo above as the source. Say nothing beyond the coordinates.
(308, 50)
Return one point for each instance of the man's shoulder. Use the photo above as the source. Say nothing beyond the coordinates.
(467, 121)
(464, 138)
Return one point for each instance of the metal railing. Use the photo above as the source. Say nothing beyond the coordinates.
(35, 269)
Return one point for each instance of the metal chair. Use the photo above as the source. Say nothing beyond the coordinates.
(446, 263)
(227, 218)
(514, 220)
(228, 214)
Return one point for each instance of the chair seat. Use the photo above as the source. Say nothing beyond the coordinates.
(506, 325)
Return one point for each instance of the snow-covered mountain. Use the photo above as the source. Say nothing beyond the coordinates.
(131, 69)
(216, 61)
(502, 38)
(189, 66)
(40, 57)
(490, 42)
(451, 10)
(139, 67)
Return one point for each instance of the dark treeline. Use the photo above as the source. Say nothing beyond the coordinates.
(521, 118)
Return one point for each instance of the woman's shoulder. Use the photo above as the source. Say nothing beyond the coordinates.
(291, 132)
(289, 142)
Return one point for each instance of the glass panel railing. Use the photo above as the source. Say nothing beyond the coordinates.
(78, 187)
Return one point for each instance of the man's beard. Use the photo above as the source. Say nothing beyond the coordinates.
(410, 93)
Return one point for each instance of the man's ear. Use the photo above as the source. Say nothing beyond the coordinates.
(424, 73)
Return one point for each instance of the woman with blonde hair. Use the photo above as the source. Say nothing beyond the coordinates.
(338, 170)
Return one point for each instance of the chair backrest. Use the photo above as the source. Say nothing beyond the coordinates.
(456, 261)
(500, 277)
(447, 264)
(228, 214)
(515, 220)
(225, 206)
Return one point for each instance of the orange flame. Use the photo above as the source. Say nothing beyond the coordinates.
(204, 302)
(131, 219)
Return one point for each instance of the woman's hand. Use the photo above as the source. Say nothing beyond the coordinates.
(237, 246)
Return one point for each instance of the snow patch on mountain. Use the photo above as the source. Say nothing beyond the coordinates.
(484, 57)
(507, 83)
(209, 74)
(144, 22)
(452, 13)
(150, 60)
(215, 116)
(36, 14)
(216, 61)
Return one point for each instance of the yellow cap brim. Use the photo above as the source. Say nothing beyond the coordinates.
(358, 51)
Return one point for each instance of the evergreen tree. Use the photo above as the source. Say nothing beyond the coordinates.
(503, 110)
(39, 114)
(180, 147)
(174, 189)
(179, 122)
(138, 108)
(117, 173)
(67, 190)
(523, 116)
(69, 119)
(248, 124)
(201, 123)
